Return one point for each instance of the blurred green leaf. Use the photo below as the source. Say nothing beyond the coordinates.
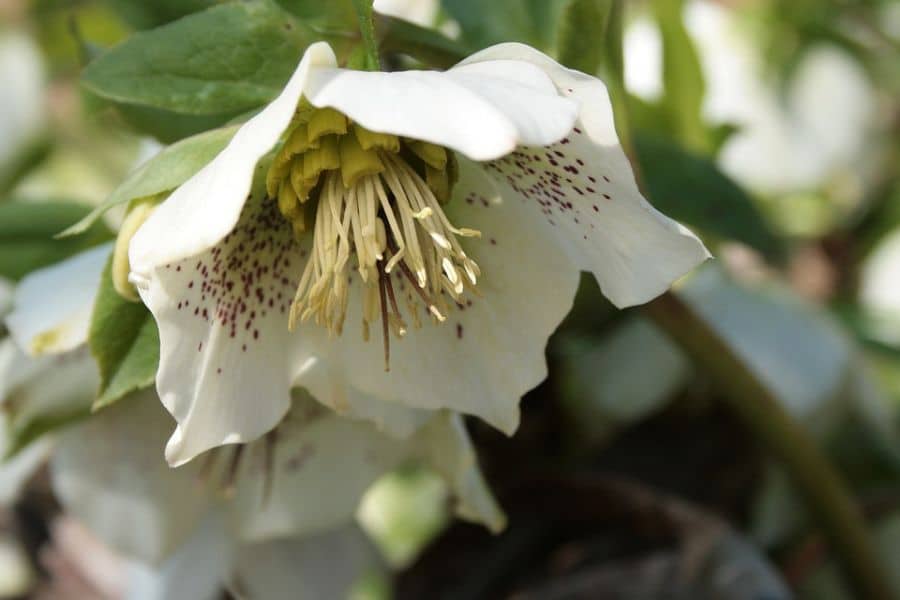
(20, 438)
(429, 46)
(682, 75)
(165, 171)
(59, 24)
(331, 13)
(486, 23)
(30, 156)
(125, 342)
(169, 127)
(227, 59)
(27, 230)
(582, 32)
(141, 14)
(692, 189)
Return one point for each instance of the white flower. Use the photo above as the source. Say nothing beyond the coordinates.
(788, 139)
(253, 267)
(22, 82)
(421, 12)
(327, 565)
(305, 478)
(37, 389)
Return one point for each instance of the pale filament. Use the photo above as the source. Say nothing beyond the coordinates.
(390, 220)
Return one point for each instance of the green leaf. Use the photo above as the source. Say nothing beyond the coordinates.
(125, 342)
(164, 172)
(27, 230)
(682, 75)
(29, 157)
(228, 59)
(427, 45)
(141, 14)
(21, 437)
(333, 13)
(582, 31)
(486, 23)
(691, 189)
(166, 126)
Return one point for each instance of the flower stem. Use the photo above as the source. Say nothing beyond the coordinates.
(819, 484)
(366, 17)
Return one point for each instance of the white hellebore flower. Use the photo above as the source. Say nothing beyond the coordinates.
(306, 478)
(451, 209)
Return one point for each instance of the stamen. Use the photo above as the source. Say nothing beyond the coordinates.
(385, 329)
(228, 486)
(373, 206)
(271, 441)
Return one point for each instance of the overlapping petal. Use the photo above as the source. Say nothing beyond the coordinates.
(225, 360)
(584, 190)
(200, 213)
(483, 111)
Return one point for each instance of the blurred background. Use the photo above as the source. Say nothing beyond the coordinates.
(771, 128)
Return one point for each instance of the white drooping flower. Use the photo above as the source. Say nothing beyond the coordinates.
(306, 478)
(22, 82)
(448, 213)
(49, 380)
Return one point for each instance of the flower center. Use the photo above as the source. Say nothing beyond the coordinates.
(375, 198)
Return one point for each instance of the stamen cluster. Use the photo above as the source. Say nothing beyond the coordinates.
(377, 198)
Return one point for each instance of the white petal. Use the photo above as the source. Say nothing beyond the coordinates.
(328, 385)
(483, 112)
(109, 473)
(205, 208)
(22, 76)
(322, 465)
(585, 192)
(487, 354)
(448, 450)
(53, 305)
(224, 370)
(420, 12)
(323, 566)
(197, 570)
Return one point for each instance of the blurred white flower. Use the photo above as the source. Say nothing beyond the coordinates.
(322, 566)
(22, 83)
(421, 12)
(879, 290)
(643, 59)
(35, 389)
(790, 140)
